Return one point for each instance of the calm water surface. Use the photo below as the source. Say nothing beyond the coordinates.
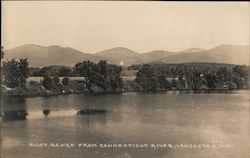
(130, 118)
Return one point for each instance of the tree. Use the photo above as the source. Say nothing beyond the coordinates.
(103, 75)
(10, 72)
(241, 71)
(147, 78)
(56, 79)
(85, 69)
(15, 72)
(114, 81)
(48, 82)
(65, 71)
(241, 76)
(35, 72)
(164, 84)
(65, 81)
(23, 71)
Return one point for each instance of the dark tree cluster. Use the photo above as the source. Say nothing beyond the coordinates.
(52, 71)
(181, 76)
(15, 72)
(103, 75)
(51, 83)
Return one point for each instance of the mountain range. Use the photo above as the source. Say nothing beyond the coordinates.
(39, 56)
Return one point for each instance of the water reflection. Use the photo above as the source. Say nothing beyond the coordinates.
(31, 115)
(169, 117)
(46, 112)
(13, 103)
(92, 121)
(214, 91)
(14, 115)
(90, 111)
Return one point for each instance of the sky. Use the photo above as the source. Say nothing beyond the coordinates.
(92, 26)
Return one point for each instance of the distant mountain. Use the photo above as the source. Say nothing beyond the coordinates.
(230, 54)
(119, 55)
(56, 55)
(52, 55)
(192, 50)
(128, 57)
(152, 56)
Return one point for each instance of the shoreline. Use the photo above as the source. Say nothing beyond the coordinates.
(124, 92)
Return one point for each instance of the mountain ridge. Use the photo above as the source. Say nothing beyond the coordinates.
(58, 55)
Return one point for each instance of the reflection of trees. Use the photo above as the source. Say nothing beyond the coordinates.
(92, 120)
(91, 111)
(13, 103)
(13, 100)
(46, 112)
(14, 115)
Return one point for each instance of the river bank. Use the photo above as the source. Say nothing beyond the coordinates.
(34, 89)
(28, 92)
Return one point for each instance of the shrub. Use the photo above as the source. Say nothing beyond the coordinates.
(65, 81)
(47, 82)
(56, 79)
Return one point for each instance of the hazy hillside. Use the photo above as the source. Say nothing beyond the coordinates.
(56, 55)
(153, 56)
(192, 50)
(119, 55)
(51, 55)
(230, 54)
(128, 57)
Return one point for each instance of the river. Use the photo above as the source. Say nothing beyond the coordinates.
(217, 122)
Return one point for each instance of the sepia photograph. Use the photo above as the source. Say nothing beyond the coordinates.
(125, 79)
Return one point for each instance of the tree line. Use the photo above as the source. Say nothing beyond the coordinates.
(101, 75)
(192, 76)
(52, 70)
(106, 77)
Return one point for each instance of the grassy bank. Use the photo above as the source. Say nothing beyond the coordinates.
(35, 89)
